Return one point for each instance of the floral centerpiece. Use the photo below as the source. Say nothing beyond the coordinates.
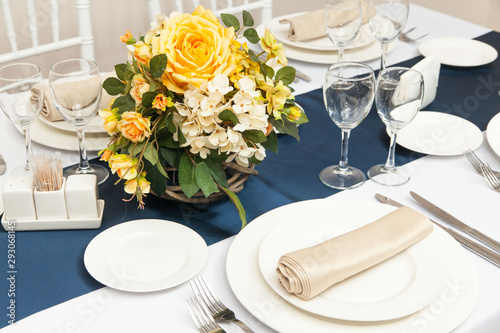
(193, 96)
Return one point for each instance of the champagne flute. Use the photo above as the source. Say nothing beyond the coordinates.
(21, 99)
(75, 87)
(398, 96)
(342, 22)
(348, 92)
(387, 22)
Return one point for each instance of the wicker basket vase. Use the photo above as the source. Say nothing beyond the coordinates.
(237, 176)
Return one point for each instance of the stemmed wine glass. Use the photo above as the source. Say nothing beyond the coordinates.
(342, 22)
(348, 92)
(387, 22)
(21, 99)
(398, 96)
(75, 87)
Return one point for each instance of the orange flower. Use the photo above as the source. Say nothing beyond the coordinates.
(161, 102)
(138, 183)
(142, 53)
(110, 120)
(134, 126)
(125, 38)
(123, 165)
(139, 87)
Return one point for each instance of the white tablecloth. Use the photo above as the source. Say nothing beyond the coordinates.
(451, 181)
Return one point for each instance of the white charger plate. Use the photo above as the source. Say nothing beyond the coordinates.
(444, 314)
(94, 126)
(395, 288)
(460, 52)
(493, 134)
(145, 255)
(439, 133)
(280, 31)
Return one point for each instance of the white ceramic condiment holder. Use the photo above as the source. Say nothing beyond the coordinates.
(51, 205)
(81, 196)
(17, 195)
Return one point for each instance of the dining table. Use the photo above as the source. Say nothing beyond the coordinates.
(52, 291)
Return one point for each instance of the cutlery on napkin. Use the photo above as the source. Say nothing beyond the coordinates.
(305, 26)
(308, 272)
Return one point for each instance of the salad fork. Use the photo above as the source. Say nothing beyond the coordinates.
(404, 36)
(476, 162)
(490, 177)
(202, 318)
(218, 310)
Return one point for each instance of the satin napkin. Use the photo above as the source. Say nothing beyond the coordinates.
(311, 25)
(308, 272)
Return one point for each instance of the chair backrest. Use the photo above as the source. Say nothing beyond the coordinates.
(84, 39)
(230, 7)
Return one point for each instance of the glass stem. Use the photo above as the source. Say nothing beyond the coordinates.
(340, 53)
(383, 56)
(84, 162)
(27, 144)
(344, 150)
(391, 158)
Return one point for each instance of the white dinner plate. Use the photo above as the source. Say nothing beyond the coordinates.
(395, 288)
(145, 255)
(280, 31)
(493, 134)
(439, 133)
(461, 52)
(454, 303)
(94, 126)
(66, 140)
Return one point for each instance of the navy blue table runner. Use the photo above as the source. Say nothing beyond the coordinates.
(49, 264)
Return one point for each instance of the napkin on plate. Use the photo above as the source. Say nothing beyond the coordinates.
(310, 25)
(429, 67)
(308, 272)
(49, 110)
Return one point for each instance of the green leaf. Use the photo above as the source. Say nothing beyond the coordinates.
(205, 180)
(247, 19)
(217, 171)
(230, 21)
(123, 72)
(256, 136)
(124, 103)
(161, 168)
(236, 201)
(151, 154)
(286, 75)
(187, 177)
(157, 65)
(267, 70)
(148, 99)
(136, 148)
(272, 142)
(228, 115)
(158, 179)
(113, 86)
(253, 56)
(254, 160)
(180, 136)
(169, 142)
(170, 123)
(252, 35)
(172, 156)
(285, 126)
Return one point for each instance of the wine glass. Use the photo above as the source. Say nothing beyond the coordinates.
(398, 96)
(21, 99)
(75, 87)
(387, 22)
(348, 92)
(342, 22)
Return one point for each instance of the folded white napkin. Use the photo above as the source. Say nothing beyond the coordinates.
(308, 272)
(429, 67)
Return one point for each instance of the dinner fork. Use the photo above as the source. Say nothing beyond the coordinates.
(403, 37)
(202, 317)
(490, 177)
(219, 311)
(476, 162)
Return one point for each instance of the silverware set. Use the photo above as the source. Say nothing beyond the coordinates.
(405, 38)
(492, 177)
(207, 309)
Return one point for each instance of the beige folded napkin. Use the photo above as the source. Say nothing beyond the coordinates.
(71, 91)
(308, 272)
(311, 25)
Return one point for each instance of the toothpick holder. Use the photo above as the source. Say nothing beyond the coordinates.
(51, 205)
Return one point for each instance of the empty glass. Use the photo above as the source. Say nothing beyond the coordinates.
(387, 22)
(21, 99)
(75, 87)
(348, 92)
(342, 22)
(398, 96)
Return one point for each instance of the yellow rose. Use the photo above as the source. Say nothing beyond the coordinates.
(142, 53)
(110, 120)
(134, 126)
(161, 102)
(123, 165)
(139, 182)
(197, 47)
(139, 87)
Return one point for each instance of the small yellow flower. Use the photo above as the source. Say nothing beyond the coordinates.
(139, 87)
(293, 113)
(134, 126)
(142, 53)
(110, 120)
(127, 38)
(139, 183)
(161, 102)
(273, 48)
(123, 165)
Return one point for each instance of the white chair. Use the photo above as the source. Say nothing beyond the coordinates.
(84, 39)
(265, 6)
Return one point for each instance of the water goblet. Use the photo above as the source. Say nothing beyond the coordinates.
(348, 93)
(342, 22)
(75, 87)
(21, 99)
(398, 96)
(387, 22)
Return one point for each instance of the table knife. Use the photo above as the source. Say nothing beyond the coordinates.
(478, 249)
(456, 222)
(3, 166)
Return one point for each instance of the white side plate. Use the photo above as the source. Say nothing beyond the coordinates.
(460, 52)
(493, 134)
